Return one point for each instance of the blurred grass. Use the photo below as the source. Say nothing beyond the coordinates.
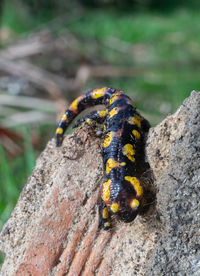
(166, 48)
(163, 47)
(13, 175)
(20, 19)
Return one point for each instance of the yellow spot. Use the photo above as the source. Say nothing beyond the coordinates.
(113, 112)
(64, 117)
(114, 207)
(136, 120)
(134, 203)
(111, 163)
(136, 184)
(105, 213)
(136, 134)
(106, 190)
(102, 113)
(108, 139)
(115, 97)
(129, 152)
(89, 121)
(74, 104)
(98, 93)
(59, 130)
(107, 224)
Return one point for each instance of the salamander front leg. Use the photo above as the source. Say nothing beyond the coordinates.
(104, 216)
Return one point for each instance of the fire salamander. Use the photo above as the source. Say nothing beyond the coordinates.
(124, 130)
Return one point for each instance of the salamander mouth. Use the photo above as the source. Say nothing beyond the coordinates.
(127, 216)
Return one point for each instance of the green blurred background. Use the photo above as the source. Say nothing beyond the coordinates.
(51, 51)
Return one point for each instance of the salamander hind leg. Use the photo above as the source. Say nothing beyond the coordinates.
(93, 118)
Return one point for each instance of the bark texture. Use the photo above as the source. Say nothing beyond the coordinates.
(53, 229)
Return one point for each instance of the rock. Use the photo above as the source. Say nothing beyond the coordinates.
(173, 151)
(53, 229)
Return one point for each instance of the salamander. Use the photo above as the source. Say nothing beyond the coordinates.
(124, 133)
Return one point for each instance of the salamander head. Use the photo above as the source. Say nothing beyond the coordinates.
(121, 199)
(128, 209)
(126, 205)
